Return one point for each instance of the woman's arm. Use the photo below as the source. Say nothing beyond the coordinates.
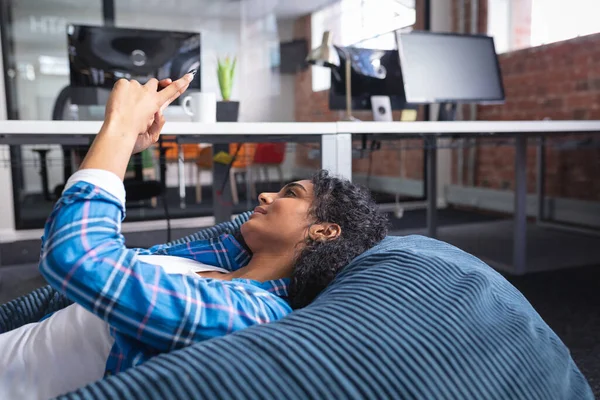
(84, 254)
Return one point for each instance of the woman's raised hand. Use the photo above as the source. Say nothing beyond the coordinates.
(132, 122)
(136, 109)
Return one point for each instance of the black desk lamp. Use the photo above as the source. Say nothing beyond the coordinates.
(327, 56)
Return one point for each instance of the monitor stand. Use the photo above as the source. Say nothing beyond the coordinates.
(447, 112)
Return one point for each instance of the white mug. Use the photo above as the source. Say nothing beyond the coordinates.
(202, 107)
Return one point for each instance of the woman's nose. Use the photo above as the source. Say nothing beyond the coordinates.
(265, 198)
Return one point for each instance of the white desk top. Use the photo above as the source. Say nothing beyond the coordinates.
(68, 128)
(468, 127)
(172, 128)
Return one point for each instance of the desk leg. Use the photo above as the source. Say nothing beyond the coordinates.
(222, 202)
(431, 159)
(329, 153)
(44, 173)
(344, 155)
(540, 179)
(520, 217)
(181, 176)
(336, 154)
(138, 166)
(162, 160)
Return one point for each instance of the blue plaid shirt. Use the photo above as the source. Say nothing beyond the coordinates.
(149, 311)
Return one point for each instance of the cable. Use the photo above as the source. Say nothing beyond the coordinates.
(163, 184)
(369, 170)
(167, 215)
(229, 166)
(375, 145)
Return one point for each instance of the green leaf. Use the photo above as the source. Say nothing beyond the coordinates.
(225, 73)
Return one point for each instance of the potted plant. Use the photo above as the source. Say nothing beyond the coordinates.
(227, 110)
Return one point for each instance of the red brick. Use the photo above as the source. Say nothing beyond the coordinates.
(579, 100)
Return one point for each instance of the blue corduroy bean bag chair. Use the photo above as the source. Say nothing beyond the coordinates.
(413, 318)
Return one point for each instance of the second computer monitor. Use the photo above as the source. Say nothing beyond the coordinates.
(449, 68)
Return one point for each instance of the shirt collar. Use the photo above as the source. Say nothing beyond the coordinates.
(223, 251)
(226, 252)
(279, 287)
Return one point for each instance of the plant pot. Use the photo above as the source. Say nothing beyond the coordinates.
(228, 111)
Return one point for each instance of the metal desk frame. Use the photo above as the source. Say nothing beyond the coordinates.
(520, 130)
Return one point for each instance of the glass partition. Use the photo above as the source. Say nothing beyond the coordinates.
(264, 37)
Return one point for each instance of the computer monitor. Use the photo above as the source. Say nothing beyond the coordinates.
(374, 73)
(99, 56)
(449, 68)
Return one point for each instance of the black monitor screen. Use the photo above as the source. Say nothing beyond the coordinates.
(441, 67)
(374, 73)
(99, 56)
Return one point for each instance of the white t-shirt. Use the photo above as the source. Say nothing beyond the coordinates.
(69, 349)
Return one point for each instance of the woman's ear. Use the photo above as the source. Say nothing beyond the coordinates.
(324, 231)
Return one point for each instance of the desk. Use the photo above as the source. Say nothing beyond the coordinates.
(82, 132)
(431, 131)
(336, 150)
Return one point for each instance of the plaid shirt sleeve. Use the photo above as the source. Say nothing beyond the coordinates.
(84, 256)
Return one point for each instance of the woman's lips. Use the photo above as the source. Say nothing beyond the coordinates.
(260, 210)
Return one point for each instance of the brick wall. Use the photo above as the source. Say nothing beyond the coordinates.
(311, 106)
(559, 81)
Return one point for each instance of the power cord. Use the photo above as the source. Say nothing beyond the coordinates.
(229, 166)
(375, 145)
(167, 215)
(163, 170)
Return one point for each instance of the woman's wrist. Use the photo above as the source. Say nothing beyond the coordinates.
(118, 129)
(111, 149)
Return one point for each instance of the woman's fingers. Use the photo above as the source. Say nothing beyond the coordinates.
(152, 84)
(174, 90)
(156, 127)
(163, 83)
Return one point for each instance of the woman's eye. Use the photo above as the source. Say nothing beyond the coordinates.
(289, 193)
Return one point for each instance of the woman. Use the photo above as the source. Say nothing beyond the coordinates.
(167, 297)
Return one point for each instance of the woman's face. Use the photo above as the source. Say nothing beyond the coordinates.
(281, 221)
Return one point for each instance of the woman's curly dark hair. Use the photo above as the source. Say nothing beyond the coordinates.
(350, 206)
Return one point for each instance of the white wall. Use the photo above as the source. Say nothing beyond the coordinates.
(284, 108)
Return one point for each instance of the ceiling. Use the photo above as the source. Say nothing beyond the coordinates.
(251, 9)
(225, 9)
(235, 9)
(293, 9)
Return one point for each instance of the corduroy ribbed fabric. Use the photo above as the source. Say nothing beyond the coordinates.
(413, 318)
